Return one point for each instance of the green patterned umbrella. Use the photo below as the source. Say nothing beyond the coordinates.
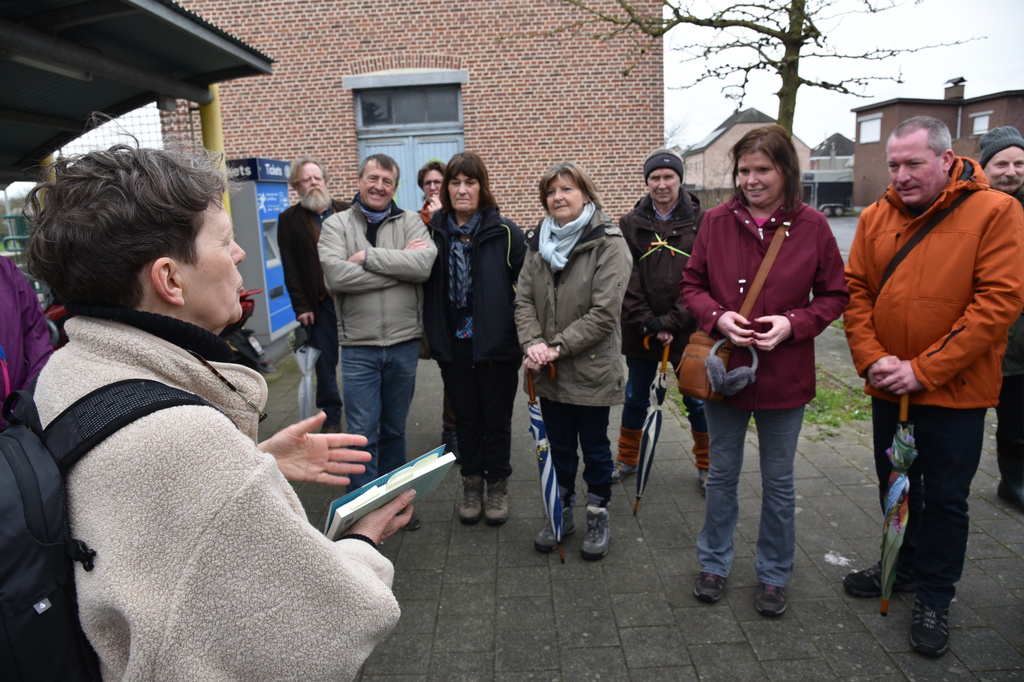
(902, 455)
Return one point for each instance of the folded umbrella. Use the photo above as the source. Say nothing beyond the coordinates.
(548, 478)
(306, 357)
(902, 455)
(652, 425)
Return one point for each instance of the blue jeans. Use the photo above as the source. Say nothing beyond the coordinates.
(638, 397)
(777, 435)
(378, 383)
(568, 425)
(323, 335)
(949, 449)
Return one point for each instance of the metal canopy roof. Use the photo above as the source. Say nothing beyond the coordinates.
(62, 60)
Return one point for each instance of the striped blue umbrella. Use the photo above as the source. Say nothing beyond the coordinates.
(652, 426)
(548, 478)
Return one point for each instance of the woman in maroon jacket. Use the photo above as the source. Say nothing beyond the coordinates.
(803, 293)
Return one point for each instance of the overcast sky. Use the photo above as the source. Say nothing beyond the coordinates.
(991, 64)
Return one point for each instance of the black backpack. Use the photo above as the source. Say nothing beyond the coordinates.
(40, 636)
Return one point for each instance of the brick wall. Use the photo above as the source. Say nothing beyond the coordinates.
(530, 101)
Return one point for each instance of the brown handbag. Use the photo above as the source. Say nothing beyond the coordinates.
(693, 372)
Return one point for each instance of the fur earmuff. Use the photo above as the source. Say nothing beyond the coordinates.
(732, 382)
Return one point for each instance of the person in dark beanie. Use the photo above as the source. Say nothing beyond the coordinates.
(1002, 155)
(660, 231)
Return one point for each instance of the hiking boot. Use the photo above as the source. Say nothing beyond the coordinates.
(599, 533)
(868, 583)
(709, 587)
(622, 470)
(770, 600)
(545, 540)
(472, 507)
(929, 630)
(496, 510)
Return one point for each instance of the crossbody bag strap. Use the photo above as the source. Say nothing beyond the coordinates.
(916, 238)
(766, 265)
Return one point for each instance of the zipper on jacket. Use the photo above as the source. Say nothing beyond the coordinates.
(947, 340)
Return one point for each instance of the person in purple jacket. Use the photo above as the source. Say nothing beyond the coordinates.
(24, 338)
(803, 293)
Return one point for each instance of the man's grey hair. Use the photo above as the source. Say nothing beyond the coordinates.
(300, 163)
(939, 139)
(383, 161)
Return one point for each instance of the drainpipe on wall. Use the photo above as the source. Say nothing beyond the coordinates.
(213, 133)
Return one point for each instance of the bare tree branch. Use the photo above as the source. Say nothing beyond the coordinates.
(775, 35)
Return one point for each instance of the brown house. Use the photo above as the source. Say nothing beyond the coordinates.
(967, 118)
(421, 79)
(707, 168)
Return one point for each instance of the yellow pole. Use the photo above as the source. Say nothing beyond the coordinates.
(213, 133)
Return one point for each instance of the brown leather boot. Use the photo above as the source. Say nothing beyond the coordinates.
(629, 453)
(496, 509)
(701, 459)
(472, 507)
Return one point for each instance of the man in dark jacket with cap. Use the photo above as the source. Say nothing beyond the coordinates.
(1002, 157)
(660, 231)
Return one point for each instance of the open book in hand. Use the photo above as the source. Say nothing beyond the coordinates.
(423, 474)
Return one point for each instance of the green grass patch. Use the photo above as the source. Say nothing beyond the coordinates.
(837, 403)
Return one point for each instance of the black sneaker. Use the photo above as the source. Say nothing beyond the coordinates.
(868, 583)
(929, 631)
(709, 587)
(770, 600)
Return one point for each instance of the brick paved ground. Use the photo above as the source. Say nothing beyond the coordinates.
(478, 603)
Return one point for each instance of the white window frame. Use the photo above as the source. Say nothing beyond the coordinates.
(984, 117)
(876, 127)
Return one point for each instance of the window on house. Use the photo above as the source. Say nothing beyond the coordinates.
(869, 129)
(409, 106)
(981, 122)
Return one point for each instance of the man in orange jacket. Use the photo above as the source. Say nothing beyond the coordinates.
(937, 330)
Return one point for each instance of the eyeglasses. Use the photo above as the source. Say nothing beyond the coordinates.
(432, 183)
(224, 379)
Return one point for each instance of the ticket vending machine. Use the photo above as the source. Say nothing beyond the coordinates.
(262, 195)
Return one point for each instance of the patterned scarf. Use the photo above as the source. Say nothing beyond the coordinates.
(460, 271)
(556, 243)
(372, 216)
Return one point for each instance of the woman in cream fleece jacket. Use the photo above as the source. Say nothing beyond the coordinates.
(206, 567)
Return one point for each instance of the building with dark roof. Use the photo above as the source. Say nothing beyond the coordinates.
(834, 153)
(967, 119)
(707, 166)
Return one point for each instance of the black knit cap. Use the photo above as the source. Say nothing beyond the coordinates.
(998, 139)
(663, 158)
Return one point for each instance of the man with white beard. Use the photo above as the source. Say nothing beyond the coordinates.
(298, 232)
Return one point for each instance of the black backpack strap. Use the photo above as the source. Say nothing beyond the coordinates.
(917, 237)
(109, 408)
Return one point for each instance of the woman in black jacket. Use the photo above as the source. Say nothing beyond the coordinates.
(470, 326)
